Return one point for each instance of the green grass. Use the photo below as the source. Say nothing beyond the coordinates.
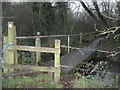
(90, 82)
(42, 80)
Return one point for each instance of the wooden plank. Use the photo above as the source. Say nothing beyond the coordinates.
(57, 62)
(47, 36)
(15, 43)
(36, 49)
(38, 44)
(6, 58)
(57, 75)
(10, 41)
(1, 42)
(18, 73)
(32, 68)
(34, 37)
(57, 54)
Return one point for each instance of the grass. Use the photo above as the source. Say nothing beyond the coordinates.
(42, 80)
(85, 82)
(45, 81)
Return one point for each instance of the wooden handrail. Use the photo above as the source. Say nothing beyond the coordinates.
(33, 48)
(32, 68)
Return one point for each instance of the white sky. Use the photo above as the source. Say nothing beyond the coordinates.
(77, 3)
(73, 4)
(55, 0)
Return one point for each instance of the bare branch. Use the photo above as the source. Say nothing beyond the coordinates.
(116, 19)
(101, 17)
(107, 31)
(89, 11)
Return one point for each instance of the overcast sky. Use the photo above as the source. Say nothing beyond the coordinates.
(55, 0)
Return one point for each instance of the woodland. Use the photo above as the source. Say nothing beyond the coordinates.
(93, 19)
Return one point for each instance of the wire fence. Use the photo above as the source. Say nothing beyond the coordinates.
(80, 49)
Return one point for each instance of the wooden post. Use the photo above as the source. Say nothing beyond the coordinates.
(57, 62)
(11, 40)
(68, 44)
(5, 41)
(80, 38)
(15, 43)
(0, 43)
(38, 44)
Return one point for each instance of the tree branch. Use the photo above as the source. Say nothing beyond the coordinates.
(89, 11)
(101, 17)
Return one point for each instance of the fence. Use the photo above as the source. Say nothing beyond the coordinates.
(48, 36)
(68, 36)
(10, 55)
(11, 59)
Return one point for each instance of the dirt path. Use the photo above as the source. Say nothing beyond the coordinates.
(68, 80)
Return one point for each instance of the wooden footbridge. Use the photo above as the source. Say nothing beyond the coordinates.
(73, 59)
(63, 64)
